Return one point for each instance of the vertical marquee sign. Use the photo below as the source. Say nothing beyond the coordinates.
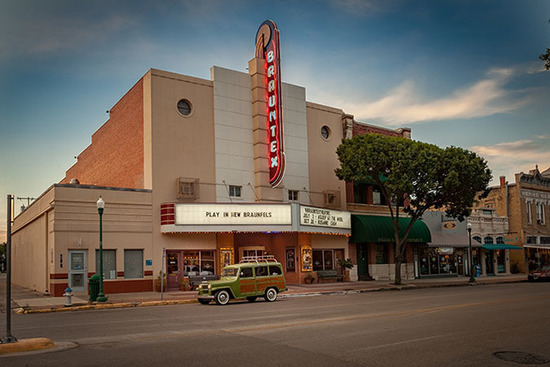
(267, 47)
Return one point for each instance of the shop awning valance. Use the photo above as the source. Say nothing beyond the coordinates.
(372, 228)
(500, 246)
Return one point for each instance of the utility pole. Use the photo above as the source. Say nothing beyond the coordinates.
(8, 338)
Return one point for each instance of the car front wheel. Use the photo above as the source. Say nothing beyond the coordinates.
(270, 295)
(222, 297)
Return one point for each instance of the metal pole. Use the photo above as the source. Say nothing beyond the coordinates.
(472, 279)
(9, 338)
(162, 274)
(101, 297)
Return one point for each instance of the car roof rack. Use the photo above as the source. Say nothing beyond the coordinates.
(257, 259)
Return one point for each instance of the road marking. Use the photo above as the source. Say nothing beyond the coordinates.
(399, 343)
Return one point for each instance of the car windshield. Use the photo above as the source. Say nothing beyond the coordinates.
(546, 268)
(229, 272)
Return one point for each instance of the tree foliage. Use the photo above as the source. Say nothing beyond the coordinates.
(428, 177)
(546, 58)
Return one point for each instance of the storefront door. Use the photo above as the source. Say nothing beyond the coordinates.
(489, 263)
(78, 271)
(363, 261)
(172, 270)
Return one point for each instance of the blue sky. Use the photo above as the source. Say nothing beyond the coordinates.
(463, 73)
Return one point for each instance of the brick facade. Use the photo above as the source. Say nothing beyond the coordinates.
(115, 156)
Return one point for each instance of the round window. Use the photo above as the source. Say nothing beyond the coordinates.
(184, 107)
(325, 132)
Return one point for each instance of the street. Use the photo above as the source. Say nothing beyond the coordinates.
(457, 326)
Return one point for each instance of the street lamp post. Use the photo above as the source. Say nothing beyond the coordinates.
(100, 206)
(472, 279)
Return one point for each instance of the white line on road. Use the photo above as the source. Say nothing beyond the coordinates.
(399, 343)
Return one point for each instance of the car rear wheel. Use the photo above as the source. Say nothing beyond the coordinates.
(271, 295)
(222, 297)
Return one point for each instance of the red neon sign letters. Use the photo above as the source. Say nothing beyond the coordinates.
(267, 46)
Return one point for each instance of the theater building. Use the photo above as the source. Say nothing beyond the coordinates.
(196, 174)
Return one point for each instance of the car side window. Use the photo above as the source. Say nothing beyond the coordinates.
(261, 271)
(274, 270)
(246, 273)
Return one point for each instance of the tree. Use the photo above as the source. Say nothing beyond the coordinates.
(546, 58)
(427, 176)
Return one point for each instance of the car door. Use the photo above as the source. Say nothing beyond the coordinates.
(247, 283)
(262, 278)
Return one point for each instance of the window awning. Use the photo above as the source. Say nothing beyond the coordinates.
(372, 228)
(501, 246)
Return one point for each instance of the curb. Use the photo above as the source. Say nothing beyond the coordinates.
(26, 345)
(104, 306)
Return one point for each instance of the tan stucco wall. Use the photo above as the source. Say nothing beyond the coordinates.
(322, 153)
(72, 219)
(180, 147)
(32, 240)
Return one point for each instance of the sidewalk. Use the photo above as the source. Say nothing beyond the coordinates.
(28, 301)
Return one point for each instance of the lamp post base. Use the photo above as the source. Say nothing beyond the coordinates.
(472, 279)
(101, 298)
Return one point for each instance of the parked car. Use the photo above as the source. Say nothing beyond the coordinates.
(542, 274)
(253, 277)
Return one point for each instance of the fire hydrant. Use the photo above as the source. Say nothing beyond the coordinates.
(68, 295)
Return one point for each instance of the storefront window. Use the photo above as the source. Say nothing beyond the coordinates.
(442, 260)
(197, 263)
(324, 259)
(109, 263)
(253, 252)
(381, 253)
(133, 264)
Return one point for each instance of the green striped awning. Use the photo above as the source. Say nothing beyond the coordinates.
(372, 228)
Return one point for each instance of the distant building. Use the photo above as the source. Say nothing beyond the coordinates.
(526, 203)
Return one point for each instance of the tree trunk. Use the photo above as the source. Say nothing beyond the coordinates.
(398, 270)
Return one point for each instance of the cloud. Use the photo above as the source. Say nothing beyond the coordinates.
(404, 104)
(51, 33)
(509, 158)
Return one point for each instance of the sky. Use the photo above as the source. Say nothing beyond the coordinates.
(457, 72)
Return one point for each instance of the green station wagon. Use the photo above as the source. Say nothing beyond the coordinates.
(253, 277)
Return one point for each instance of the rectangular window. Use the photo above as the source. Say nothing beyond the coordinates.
(109, 263)
(360, 193)
(376, 197)
(540, 213)
(235, 191)
(323, 260)
(292, 195)
(381, 253)
(133, 264)
(261, 271)
(198, 263)
(529, 214)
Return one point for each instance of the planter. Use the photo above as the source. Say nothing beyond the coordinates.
(156, 285)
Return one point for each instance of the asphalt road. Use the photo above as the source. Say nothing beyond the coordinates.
(459, 326)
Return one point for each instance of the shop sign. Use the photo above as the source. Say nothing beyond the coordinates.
(267, 47)
(531, 194)
(324, 218)
(228, 214)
